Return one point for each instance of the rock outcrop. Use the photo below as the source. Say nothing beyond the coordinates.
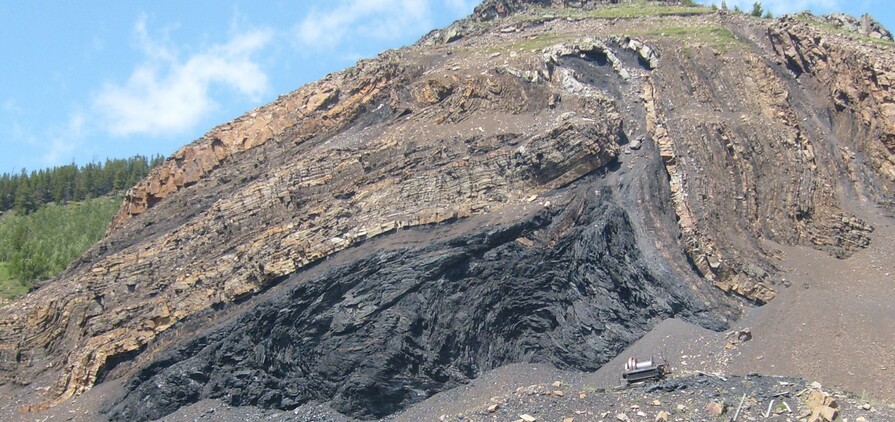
(866, 25)
(377, 334)
(546, 192)
(857, 79)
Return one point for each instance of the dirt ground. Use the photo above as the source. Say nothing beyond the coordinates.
(834, 324)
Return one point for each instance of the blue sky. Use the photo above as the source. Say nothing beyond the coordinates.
(89, 80)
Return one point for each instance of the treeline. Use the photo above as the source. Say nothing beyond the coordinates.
(758, 10)
(26, 192)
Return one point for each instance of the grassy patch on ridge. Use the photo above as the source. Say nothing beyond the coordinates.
(713, 35)
(635, 9)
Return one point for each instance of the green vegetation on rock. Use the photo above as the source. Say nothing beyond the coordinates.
(10, 287)
(627, 10)
(39, 245)
(713, 35)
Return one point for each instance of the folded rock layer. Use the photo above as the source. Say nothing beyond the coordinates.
(519, 187)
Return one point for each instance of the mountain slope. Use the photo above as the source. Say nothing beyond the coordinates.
(527, 185)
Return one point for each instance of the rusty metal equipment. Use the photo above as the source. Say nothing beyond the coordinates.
(641, 370)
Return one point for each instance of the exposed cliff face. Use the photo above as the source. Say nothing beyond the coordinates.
(857, 80)
(536, 190)
(566, 285)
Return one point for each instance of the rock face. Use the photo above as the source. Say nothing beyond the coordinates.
(376, 334)
(397, 228)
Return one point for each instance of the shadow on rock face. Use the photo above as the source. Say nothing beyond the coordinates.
(566, 286)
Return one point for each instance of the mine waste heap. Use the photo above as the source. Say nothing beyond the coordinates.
(543, 181)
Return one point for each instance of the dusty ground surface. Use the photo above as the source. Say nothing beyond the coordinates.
(835, 323)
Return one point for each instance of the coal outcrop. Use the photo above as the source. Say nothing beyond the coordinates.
(566, 285)
(532, 185)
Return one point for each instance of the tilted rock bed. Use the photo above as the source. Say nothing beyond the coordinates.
(261, 264)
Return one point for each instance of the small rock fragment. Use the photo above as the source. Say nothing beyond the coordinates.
(829, 413)
(528, 418)
(557, 383)
(715, 409)
(566, 116)
(656, 403)
(662, 416)
(821, 406)
(559, 393)
(493, 408)
(622, 417)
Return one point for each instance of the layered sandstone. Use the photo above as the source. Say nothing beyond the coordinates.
(425, 157)
(675, 152)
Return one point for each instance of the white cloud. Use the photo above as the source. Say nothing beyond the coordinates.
(168, 95)
(780, 7)
(64, 141)
(60, 150)
(376, 19)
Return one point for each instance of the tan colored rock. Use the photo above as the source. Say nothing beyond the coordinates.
(311, 203)
(715, 409)
(829, 413)
(305, 177)
(822, 406)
